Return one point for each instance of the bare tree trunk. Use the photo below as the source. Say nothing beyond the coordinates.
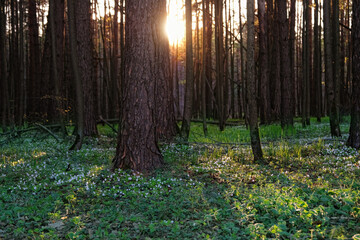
(203, 67)
(3, 67)
(265, 106)
(251, 88)
(166, 126)
(219, 63)
(85, 63)
(306, 65)
(185, 128)
(76, 75)
(286, 81)
(354, 134)
(293, 52)
(330, 77)
(317, 63)
(33, 92)
(137, 147)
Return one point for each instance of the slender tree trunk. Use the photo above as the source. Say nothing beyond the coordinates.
(76, 75)
(34, 62)
(56, 52)
(185, 128)
(251, 88)
(3, 67)
(203, 64)
(317, 63)
(219, 50)
(330, 77)
(208, 67)
(137, 147)
(306, 65)
(354, 134)
(293, 52)
(286, 81)
(166, 126)
(265, 106)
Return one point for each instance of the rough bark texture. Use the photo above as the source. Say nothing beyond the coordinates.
(292, 50)
(137, 144)
(85, 64)
(285, 75)
(251, 86)
(208, 56)
(185, 128)
(354, 136)
(265, 107)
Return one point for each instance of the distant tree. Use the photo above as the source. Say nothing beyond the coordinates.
(33, 86)
(354, 134)
(251, 86)
(137, 147)
(3, 68)
(189, 87)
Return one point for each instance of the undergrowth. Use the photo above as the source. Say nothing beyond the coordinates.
(209, 188)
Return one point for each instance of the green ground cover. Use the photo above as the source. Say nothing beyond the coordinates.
(308, 188)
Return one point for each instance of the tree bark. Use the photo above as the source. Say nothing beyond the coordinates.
(317, 63)
(286, 81)
(265, 106)
(3, 68)
(85, 63)
(330, 76)
(251, 88)
(354, 134)
(189, 88)
(76, 75)
(137, 147)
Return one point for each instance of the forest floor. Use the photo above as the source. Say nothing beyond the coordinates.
(307, 188)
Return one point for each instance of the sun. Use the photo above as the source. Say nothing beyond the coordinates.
(175, 24)
(175, 30)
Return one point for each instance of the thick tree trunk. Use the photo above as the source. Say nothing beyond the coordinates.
(85, 63)
(203, 68)
(251, 88)
(137, 147)
(208, 56)
(185, 128)
(292, 51)
(354, 134)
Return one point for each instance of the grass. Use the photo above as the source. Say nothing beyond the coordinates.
(309, 188)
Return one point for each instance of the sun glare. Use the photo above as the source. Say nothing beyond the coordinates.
(175, 24)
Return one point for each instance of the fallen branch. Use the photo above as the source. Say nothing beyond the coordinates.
(47, 130)
(109, 124)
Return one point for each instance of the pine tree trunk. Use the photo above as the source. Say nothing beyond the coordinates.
(286, 81)
(189, 88)
(354, 134)
(330, 76)
(251, 88)
(137, 147)
(265, 107)
(3, 68)
(76, 75)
